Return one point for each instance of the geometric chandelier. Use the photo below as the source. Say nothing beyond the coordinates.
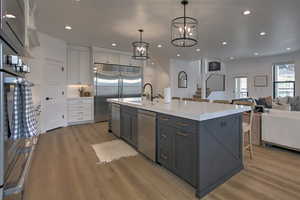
(184, 30)
(140, 48)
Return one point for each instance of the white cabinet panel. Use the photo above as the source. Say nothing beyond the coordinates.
(85, 68)
(79, 66)
(106, 57)
(100, 57)
(125, 59)
(73, 66)
(114, 58)
(134, 62)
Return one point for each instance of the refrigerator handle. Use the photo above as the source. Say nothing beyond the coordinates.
(120, 87)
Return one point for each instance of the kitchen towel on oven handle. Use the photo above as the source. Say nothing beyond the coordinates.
(30, 126)
(16, 125)
(24, 116)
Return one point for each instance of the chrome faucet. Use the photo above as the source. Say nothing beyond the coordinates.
(149, 84)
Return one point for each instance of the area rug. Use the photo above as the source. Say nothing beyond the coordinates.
(113, 150)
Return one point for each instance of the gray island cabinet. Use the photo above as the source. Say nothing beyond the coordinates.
(199, 142)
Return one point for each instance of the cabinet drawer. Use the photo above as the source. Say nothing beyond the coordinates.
(83, 112)
(165, 119)
(179, 123)
(130, 110)
(80, 101)
(80, 107)
(79, 117)
(75, 118)
(185, 124)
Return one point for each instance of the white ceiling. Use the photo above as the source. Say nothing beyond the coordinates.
(101, 22)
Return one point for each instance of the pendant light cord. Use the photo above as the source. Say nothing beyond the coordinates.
(184, 18)
(141, 36)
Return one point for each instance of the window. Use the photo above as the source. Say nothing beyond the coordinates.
(241, 87)
(284, 80)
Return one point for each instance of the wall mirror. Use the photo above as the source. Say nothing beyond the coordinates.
(182, 80)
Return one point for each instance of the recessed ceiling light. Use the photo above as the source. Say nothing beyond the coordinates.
(247, 12)
(198, 50)
(68, 27)
(256, 54)
(10, 16)
(178, 55)
(152, 63)
(288, 49)
(224, 43)
(262, 33)
(232, 58)
(114, 44)
(159, 46)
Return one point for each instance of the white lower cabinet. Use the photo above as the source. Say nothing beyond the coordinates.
(80, 110)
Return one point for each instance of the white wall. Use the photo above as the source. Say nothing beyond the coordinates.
(50, 48)
(259, 66)
(192, 69)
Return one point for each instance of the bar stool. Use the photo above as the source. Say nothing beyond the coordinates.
(247, 126)
(222, 101)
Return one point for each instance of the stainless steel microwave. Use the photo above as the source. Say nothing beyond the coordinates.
(13, 23)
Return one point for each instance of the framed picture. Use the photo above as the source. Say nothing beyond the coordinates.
(261, 81)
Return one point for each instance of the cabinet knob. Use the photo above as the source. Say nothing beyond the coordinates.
(223, 124)
(163, 156)
(164, 136)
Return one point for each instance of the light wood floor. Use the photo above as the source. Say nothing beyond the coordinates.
(64, 168)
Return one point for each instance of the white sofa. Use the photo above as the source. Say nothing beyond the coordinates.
(281, 128)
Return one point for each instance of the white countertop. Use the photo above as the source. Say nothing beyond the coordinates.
(185, 109)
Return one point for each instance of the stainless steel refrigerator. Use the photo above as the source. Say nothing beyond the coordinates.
(114, 81)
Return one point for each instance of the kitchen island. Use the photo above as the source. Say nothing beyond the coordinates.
(199, 142)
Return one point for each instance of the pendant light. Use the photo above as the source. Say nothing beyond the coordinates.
(140, 48)
(184, 30)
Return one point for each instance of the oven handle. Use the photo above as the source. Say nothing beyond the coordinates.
(20, 186)
(13, 80)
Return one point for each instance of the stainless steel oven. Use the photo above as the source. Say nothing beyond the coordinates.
(13, 23)
(14, 154)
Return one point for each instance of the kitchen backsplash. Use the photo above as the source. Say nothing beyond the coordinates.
(73, 90)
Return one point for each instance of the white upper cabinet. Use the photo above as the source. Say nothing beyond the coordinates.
(129, 61)
(135, 62)
(79, 65)
(106, 57)
(125, 59)
(85, 67)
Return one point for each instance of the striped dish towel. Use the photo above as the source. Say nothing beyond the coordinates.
(30, 126)
(16, 123)
(24, 116)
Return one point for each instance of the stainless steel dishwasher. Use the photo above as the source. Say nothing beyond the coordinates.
(115, 120)
(147, 134)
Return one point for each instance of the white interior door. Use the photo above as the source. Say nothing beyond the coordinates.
(54, 99)
(241, 87)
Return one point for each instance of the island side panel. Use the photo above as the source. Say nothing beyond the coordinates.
(220, 151)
